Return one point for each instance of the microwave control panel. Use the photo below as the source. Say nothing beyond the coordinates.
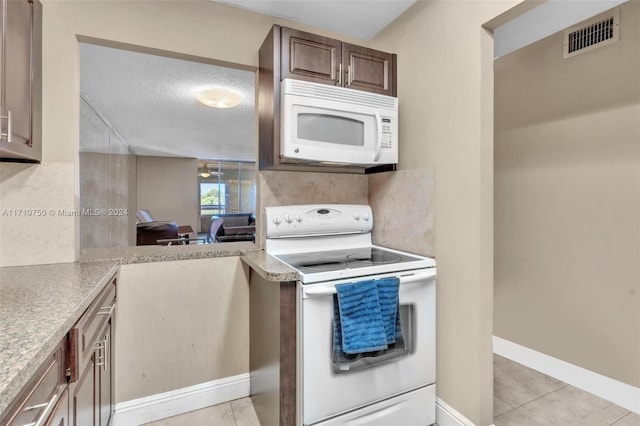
(387, 133)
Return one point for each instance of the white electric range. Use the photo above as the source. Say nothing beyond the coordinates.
(330, 245)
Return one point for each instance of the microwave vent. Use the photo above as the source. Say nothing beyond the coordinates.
(599, 31)
(341, 94)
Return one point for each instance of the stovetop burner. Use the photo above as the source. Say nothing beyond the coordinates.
(374, 257)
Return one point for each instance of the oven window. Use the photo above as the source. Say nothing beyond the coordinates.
(331, 129)
(362, 361)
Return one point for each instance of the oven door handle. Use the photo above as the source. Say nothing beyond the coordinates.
(405, 279)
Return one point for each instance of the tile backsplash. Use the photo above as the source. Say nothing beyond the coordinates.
(404, 210)
(38, 215)
(402, 201)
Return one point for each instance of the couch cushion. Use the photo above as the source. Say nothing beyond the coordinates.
(143, 216)
(236, 220)
(150, 232)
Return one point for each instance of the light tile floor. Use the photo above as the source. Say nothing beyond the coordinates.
(239, 412)
(521, 397)
(525, 397)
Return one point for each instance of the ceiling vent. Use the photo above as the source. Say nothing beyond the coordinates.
(597, 31)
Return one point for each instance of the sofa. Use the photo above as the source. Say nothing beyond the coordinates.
(149, 231)
(229, 227)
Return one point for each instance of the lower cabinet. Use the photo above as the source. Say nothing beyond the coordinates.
(92, 394)
(91, 367)
(105, 379)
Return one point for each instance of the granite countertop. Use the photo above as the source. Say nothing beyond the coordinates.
(267, 266)
(38, 306)
(147, 254)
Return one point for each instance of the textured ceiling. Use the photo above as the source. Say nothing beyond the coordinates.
(149, 101)
(357, 18)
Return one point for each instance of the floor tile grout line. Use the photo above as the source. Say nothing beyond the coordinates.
(233, 412)
(626, 415)
(534, 399)
(508, 411)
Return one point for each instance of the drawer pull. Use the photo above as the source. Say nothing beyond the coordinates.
(35, 407)
(101, 349)
(107, 310)
(99, 352)
(9, 130)
(45, 412)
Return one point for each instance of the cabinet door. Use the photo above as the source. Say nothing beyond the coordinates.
(84, 397)
(105, 374)
(310, 57)
(60, 416)
(16, 69)
(368, 69)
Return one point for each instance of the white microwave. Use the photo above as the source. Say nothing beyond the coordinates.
(320, 123)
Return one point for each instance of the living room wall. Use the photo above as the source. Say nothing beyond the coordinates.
(168, 188)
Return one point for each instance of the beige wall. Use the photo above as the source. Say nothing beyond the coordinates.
(189, 323)
(567, 193)
(168, 188)
(445, 87)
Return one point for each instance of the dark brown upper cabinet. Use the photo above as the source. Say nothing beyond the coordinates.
(289, 53)
(368, 69)
(20, 73)
(312, 57)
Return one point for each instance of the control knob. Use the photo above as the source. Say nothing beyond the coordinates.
(288, 218)
(299, 217)
(277, 220)
(366, 216)
(356, 215)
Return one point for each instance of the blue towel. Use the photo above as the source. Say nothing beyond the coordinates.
(388, 298)
(361, 319)
(395, 342)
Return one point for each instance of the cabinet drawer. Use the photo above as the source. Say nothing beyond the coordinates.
(85, 335)
(41, 396)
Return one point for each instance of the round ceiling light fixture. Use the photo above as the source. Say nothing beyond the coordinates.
(219, 97)
(204, 171)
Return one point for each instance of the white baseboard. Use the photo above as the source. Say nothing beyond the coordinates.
(180, 401)
(619, 393)
(446, 415)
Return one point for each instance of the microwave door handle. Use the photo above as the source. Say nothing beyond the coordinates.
(378, 119)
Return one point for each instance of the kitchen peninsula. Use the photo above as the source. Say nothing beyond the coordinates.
(40, 304)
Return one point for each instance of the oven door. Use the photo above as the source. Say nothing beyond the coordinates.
(328, 391)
